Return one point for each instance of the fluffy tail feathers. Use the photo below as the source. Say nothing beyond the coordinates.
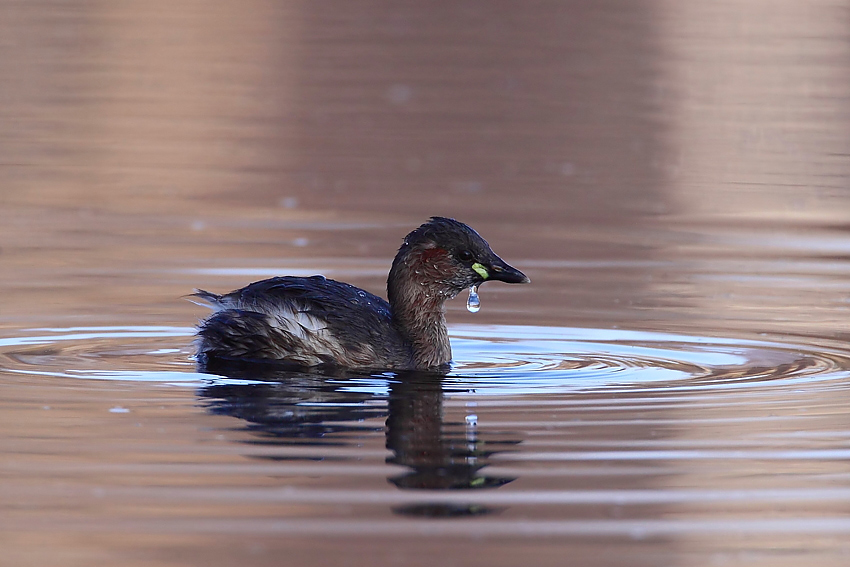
(205, 299)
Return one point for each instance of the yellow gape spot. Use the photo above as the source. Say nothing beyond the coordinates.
(482, 271)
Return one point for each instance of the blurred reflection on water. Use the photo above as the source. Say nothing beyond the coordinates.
(659, 166)
(300, 410)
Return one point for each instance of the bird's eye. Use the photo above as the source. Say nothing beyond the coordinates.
(465, 256)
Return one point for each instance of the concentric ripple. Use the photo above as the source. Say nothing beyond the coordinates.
(519, 358)
(488, 359)
(135, 353)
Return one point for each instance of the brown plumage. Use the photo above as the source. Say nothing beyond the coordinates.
(315, 321)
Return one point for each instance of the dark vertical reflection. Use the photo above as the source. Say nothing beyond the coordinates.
(440, 455)
(486, 109)
(301, 409)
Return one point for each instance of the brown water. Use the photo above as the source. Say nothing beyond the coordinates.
(672, 389)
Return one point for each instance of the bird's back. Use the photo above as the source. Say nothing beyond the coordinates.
(305, 321)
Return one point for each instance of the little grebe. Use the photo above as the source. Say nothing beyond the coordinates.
(315, 321)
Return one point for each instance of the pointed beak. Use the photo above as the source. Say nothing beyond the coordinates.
(499, 270)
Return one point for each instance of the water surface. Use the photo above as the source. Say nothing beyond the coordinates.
(672, 389)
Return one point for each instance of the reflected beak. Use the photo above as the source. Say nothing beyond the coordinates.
(501, 271)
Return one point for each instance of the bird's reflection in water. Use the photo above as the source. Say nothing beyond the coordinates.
(288, 407)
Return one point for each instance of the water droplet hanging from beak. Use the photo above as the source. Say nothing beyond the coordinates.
(473, 304)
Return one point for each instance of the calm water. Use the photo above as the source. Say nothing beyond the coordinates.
(672, 389)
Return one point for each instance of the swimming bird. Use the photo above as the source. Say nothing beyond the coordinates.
(314, 321)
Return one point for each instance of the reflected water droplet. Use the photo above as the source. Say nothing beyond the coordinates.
(473, 304)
